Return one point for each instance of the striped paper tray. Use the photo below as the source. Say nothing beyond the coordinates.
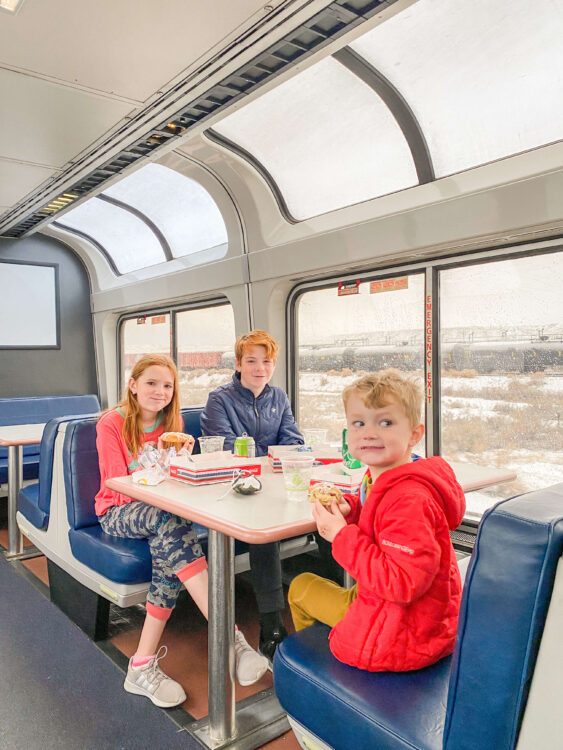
(211, 468)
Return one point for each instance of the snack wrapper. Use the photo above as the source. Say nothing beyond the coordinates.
(149, 477)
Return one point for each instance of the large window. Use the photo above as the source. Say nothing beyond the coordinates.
(343, 335)
(327, 139)
(502, 362)
(204, 337)
(152, 216)
(143, 334)
(483, 78)
(205, 341)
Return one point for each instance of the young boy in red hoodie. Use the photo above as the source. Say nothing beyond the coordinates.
(393, 539)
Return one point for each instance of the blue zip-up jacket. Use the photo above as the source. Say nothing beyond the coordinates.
(232, 409)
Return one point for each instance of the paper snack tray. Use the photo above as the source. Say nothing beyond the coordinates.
(347, 480)
(322, 453)
(210, 468)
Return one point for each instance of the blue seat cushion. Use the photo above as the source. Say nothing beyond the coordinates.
(350, 708)
(30, 466)
(120, 560)
(191, 416)
(28, 505)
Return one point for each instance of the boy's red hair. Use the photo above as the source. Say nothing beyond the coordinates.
(256, 338)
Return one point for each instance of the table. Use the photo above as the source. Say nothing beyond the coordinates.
(14, 437)
(264, 517)
(473, 477)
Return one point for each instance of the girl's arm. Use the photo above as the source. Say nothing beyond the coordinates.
(113, 461)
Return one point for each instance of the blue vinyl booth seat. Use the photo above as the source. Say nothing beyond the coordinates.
(34, 501)
(119, 560)
(34, 410)
(473, 700)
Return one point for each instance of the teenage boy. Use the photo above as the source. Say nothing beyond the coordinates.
(249, 404)
(393, 538)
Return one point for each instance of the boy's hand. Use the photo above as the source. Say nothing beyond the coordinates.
(344, 507)
(329, 522)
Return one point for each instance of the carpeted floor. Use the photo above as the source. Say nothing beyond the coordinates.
(59, 691)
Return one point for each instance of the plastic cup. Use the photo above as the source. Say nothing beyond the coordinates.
(314, 435)
(297, 475)
(211, 443)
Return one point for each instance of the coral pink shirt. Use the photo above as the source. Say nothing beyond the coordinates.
(114, 456)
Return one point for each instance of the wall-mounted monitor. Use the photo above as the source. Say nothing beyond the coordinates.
(29, 305)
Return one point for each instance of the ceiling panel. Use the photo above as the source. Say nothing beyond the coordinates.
(127, 48)
(18, 179)
(40, 112)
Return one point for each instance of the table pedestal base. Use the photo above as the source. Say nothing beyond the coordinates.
(26, 554)
(259, 719)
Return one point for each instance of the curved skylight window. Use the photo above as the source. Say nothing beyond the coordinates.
(484, 79)
(128, 241)
(327, 139)
(180, 207)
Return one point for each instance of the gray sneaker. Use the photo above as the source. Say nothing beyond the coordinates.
(249, 664)
(150, 681)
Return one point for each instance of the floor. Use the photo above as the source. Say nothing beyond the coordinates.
(185, 638)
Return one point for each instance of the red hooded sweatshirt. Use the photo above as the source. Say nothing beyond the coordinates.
(398, 549)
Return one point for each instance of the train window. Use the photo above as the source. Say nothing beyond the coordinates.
(344, 336)
(128, 240)
(502, 368)
(315, 135)
(483, 78)
(205, 337)
(144, 334)
(180, 207)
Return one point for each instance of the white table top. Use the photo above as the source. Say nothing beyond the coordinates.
(21, 434)
(266, 516)
(474, 477)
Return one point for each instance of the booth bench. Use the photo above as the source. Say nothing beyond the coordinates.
(37, 410)
(89, 569)
(477, 698)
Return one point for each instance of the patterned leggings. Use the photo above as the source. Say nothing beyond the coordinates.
(173, 544)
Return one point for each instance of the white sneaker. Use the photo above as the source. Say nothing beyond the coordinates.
(149, 680)
(249, 664)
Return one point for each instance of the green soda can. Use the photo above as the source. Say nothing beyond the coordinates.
(245, 446)
(347, 460)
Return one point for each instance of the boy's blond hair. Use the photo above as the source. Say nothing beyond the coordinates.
(256, 338)
(381, 388)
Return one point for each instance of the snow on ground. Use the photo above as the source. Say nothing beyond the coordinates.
(478, 383)
(477, 407)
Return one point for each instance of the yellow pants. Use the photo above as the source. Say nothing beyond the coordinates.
(315, 599)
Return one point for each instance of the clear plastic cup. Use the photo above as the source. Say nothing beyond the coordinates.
(211, 443)
(297, 474)
(314, 435)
